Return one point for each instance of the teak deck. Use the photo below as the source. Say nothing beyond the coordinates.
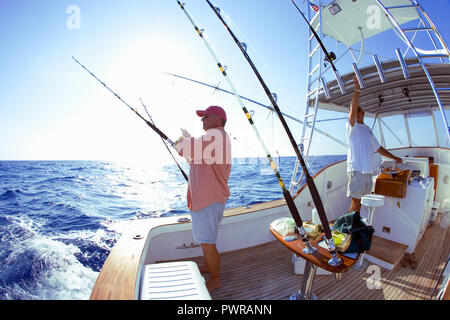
(266, 272)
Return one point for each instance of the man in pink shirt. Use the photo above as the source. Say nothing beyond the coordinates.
(209, 157)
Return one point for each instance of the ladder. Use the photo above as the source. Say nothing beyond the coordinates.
(441, 51)
(314, 88)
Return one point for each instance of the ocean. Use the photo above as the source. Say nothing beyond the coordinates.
(60, 219)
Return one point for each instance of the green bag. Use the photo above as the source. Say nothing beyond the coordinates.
(360, 232)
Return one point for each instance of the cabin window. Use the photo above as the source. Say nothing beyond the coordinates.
(422, 130)
(442, 133)
(394, 132)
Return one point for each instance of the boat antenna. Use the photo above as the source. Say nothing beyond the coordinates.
(287, 196)
(309, 180)
(173, 157)
(151, 125)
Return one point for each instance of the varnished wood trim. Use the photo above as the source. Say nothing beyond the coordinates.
(117, 279)
(319, 258)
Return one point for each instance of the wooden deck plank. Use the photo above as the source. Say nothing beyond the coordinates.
(397, 283)
(441, 264)
(428, 259)
(387, 250)
(424, 277)
(267, 261)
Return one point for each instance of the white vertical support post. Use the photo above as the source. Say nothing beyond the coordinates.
(408, 132)
(435, 128)
(380, 129)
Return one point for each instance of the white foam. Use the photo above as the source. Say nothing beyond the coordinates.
(59, 274)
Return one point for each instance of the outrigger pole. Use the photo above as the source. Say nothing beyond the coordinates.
(287, 196)
(151, 125)
(309, 180)
(264, 106)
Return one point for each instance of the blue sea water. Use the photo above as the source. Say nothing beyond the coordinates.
(60, 219)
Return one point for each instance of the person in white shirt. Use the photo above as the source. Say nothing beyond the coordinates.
(361, 153)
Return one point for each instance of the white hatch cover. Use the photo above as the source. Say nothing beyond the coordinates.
(173, 281)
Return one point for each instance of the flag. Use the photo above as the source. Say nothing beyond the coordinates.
(314, 7)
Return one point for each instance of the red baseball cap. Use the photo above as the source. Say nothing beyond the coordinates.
(218, 111)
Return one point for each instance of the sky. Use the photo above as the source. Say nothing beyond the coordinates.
(51, 109)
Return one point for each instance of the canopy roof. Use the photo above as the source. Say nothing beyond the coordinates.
(362, 18)
(391, 98)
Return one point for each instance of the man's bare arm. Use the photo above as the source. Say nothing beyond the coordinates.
(387, 154)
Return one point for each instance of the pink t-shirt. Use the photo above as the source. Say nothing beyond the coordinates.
(209, 157)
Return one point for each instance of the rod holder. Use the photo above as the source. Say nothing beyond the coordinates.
(340, 82)
(335, 261)
(325, 88)
(380, 70)
(308, 249)
(358, 76)
(402, 64)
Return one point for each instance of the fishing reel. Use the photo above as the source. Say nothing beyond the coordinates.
(331, 57)
(328, 59)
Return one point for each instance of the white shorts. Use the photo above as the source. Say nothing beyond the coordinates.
(205, 223)
(359, 184)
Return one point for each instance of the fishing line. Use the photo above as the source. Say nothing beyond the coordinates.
(173, 157)
(309, 180)
(289, 201)
(151, 125)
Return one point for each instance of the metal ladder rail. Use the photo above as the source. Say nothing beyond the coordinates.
(415, 4)
(317, 69)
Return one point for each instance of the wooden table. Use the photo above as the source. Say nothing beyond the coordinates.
(318, 258)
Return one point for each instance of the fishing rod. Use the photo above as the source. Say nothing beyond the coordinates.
(329, 56)
(151, 125)
(265, 106)
(287, 196)
(173, 157)
(309, 180)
